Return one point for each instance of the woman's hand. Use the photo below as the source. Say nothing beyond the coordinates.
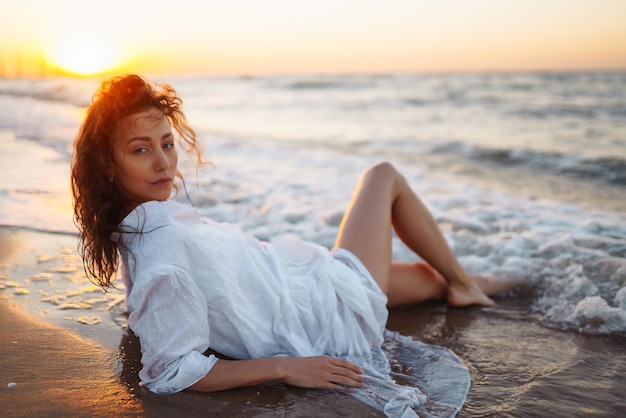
(322, 372)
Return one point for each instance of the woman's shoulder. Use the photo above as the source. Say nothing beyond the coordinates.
(152, 224)
(156, 214)
(158, 270)
(162, 278)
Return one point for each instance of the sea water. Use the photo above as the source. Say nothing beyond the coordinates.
(524, 172)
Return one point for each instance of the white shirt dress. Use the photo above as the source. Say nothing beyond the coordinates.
(194, 284)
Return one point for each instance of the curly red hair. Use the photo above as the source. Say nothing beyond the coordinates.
(99, 207)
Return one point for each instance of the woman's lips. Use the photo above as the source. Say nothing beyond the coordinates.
(164, 181)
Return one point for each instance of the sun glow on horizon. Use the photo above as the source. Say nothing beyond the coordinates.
(84, 55)
(91, 38)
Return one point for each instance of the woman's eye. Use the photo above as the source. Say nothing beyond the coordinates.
(140, 150)
(168, 145)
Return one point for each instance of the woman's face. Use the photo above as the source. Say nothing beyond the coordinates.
(145, 158)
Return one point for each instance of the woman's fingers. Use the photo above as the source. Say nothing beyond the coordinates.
(325, 372)
(346, 373)
(346, 365)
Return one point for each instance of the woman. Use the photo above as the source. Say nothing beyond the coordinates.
(292, 311)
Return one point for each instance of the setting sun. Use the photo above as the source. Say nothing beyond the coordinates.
(85, 38)
(84, 55)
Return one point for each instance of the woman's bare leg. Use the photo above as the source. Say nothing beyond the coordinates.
(411, 283)
(383, 198)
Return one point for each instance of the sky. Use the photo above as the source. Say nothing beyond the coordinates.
(251, 37)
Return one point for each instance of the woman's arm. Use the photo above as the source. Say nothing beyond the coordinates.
(320, 372)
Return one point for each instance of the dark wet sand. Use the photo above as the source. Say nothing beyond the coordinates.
(522, 369)
(57, 373)
(519, 368)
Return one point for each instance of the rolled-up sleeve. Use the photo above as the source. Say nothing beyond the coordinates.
(168, 312)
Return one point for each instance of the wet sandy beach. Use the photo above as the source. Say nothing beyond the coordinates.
(62, 367)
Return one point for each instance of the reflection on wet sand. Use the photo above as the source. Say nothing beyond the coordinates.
(259, 401)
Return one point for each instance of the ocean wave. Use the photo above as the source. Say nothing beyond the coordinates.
(610, 170)
(324, 82)
(578, 111)
(572, 263)
(58, 90)
(44, 230)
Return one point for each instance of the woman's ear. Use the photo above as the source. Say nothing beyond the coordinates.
(110, 173)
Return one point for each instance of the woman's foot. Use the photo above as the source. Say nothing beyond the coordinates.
(466, 294)
(491, 285)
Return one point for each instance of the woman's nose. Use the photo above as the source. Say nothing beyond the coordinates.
(161, 161)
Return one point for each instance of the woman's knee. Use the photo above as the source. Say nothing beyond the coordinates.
(383, 168)
(385, 173)
(382, 171)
